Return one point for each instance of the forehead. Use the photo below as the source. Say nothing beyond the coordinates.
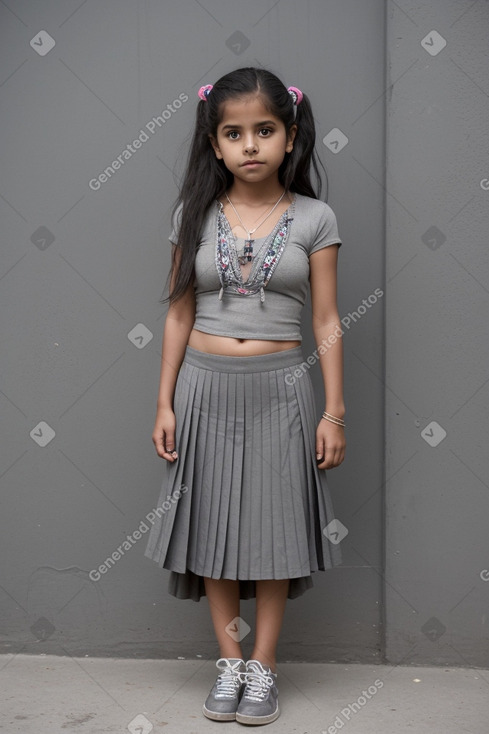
(246, 110)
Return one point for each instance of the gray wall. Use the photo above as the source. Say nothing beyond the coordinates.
(83, 268)
(437, 301)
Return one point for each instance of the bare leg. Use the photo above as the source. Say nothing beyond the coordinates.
(223, 597)
(271, 596)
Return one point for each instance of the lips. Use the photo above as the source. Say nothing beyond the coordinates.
(252, 163)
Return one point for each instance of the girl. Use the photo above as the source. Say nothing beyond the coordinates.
(245, 499)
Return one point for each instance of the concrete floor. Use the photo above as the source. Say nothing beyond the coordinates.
(47, 694)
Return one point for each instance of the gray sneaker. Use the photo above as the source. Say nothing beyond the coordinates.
(259, 701)
(223, 699)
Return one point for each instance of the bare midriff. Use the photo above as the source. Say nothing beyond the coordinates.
(233, 347)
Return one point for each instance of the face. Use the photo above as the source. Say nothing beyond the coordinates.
(249, 132)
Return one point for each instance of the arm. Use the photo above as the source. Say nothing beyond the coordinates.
(178, 325)
(326, 324)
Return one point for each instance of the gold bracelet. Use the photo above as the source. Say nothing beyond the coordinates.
(333, 416)
(333, 419)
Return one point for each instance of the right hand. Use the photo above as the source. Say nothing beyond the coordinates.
(164, 434)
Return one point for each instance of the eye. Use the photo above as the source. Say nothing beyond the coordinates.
(231, 133)
(268, 131)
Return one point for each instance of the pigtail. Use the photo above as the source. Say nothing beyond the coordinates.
(296, 175)
(205, 180)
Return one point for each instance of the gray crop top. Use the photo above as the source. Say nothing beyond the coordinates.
(267, 304)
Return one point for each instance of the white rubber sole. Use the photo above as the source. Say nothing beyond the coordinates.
(215, 716)
(246, 719)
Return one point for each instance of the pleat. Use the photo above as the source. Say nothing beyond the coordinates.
(266, 460)
(219, 501)
(237, 453)
(213, 522)
(204, 461)
(225, 564)
(186, 529)
(294, 508)
(323, 553)
(250, 547)
(283, 505)
(162, 529)
(255, 503)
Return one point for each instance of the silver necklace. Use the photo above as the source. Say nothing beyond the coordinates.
(248, 255)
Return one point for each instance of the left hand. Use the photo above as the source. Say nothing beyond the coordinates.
(330, 444)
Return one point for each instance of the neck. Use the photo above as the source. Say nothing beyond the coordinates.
(255, 194)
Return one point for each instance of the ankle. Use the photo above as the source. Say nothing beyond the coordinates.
(232, 654)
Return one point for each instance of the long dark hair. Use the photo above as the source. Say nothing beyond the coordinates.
(207, 178)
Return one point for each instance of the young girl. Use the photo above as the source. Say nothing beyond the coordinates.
(245, 497)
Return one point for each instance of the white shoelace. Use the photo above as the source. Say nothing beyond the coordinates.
(258, 684)
(229, 681)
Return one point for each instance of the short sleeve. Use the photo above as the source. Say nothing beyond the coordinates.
(327, 233)
(176, 222)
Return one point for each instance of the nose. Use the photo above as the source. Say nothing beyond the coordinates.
(250, 144)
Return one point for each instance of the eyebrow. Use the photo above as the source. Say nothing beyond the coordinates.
(258, 124)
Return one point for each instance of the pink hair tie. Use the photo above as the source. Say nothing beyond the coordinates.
(204, 91)
(296, 94)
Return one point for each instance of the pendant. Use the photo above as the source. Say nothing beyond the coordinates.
(248, 250)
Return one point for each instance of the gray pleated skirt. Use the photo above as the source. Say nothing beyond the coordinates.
(245, 499)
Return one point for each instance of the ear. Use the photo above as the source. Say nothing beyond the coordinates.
(215, 147)
(290, 139)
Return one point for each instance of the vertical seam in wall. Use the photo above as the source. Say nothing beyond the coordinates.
(386, 81)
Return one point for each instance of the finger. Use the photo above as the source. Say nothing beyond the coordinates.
(158, 442)
(169, 446)
(335, 460)
(322, 462)
(328, 460)
(163, 449)
(319, 448)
